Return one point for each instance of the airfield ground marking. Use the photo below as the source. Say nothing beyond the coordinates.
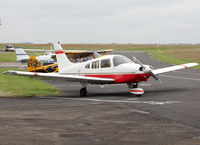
(132, 99)
(184, 78)
(128, 101)
(144, 84)
(186, 73)
(139, 111)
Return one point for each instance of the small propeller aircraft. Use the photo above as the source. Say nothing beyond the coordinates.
(22, 57)
(34, 65)
(107, 69)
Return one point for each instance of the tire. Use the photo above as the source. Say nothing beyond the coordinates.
(138, 95)
(83, 92)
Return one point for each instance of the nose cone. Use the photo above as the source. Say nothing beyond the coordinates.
(147, 68)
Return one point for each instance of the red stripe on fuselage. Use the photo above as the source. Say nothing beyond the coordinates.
(59, 52)
(123, 78)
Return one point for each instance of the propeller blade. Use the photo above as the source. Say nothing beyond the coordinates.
(155, 77)
(145, 70)
(139, 62)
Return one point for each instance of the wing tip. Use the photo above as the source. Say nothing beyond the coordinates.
(190, 64)
(10, 72)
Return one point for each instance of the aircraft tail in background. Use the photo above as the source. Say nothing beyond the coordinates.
(21, 55)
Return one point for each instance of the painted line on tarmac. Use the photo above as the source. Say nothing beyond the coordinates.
(186, 73)
(134, 102)
(184, 78)
(144, 84)
(132, 99)
(139, 111)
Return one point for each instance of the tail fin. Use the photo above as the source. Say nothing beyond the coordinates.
(21, 55)
(62, 59)
(33, 64)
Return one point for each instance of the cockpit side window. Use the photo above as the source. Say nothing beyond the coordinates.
(95, 64)
(105, 63)
(127, 59)
(87, 65)
(117, 60)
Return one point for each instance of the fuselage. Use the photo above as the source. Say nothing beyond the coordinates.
(45, 59)
(116, 67)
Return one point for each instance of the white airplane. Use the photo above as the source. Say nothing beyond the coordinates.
(22, 56)
(107, 69)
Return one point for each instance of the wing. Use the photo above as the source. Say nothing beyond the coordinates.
(102, 52)
(36, 50)
(173, 68)
(72, 78)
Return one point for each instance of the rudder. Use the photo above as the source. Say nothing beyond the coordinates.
(62, 60)
(21, 55)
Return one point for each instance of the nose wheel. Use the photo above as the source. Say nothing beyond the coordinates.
(134, 89)
(83, 92)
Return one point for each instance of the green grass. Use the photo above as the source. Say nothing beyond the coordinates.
(7, 57)
(163, 56)
(11, 56)
(19, 86)
(27, 46)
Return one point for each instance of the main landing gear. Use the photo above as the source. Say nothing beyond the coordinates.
(134, 89)
(83, 90)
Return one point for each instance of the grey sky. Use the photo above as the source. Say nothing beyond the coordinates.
(100, 21)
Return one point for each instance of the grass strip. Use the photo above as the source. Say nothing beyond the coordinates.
(21, 86)
(11, 56)
(161, 55)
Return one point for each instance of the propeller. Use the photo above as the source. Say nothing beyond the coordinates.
(146, 70)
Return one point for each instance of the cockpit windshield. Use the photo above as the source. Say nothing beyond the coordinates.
(117, 60)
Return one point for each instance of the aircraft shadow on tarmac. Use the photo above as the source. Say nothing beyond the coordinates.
(163, 92)
(148, 93)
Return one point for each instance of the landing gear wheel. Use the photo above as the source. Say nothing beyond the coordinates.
(138, 95)
(135, 90)
(83, 92)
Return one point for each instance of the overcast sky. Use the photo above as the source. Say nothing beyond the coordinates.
(100, 21)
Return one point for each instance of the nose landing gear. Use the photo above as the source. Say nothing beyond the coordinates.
(134, 89)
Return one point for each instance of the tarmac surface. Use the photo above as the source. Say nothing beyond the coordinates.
(12, 65)
(167, 114)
